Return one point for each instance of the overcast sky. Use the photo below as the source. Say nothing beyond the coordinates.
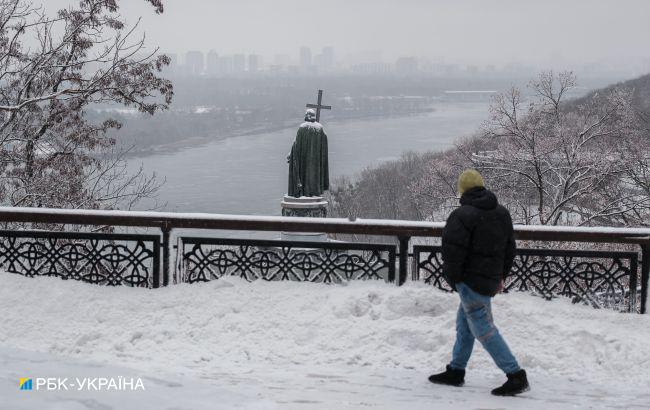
(481, 31)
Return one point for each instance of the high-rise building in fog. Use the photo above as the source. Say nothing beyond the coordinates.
(282, 60)
(239, 63)
(173, 62)
(327, 60)
(435, 66)
(212, 63)
(305, 57)
(224, 65)
(406, 65)
(318, 62)
(173, 59)
(472, 69)
(372, 68)
(254, 63)
(194, 61)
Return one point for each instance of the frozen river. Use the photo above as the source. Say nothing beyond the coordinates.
(248, 174)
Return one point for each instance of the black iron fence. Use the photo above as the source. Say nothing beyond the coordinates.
(205, 259)
(600, 279)
(98, 258)
(605, 279)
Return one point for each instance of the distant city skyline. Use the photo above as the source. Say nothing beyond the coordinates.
(326, 57)
(324, 61)
(475, 32)
(608, 35)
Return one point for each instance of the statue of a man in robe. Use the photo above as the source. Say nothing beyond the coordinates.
(308, 167)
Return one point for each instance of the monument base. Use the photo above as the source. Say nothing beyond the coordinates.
(304, 207)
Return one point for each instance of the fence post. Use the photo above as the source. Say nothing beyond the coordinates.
(166, 230)
(645, 276)
(156, 263)
(403, 259)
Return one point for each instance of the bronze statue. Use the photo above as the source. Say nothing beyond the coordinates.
(308, 160)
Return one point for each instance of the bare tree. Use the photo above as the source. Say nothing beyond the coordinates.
(382, 192)
(434, 193)
(553, 161)
(52, 69)
(559, 164)
(636, 179)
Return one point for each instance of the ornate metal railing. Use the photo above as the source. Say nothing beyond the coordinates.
(600, 279)
(140, 260)
(98, 258)
(205, 259)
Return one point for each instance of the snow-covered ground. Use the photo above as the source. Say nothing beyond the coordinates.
(233, 344)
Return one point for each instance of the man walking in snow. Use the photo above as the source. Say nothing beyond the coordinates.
(478, 248)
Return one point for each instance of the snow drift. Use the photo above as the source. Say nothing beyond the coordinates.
(222, 325)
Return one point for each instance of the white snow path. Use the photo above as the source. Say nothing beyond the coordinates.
(292, 387)
(307, 346)
(159, 393)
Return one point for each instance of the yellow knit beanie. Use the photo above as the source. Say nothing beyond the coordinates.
(470, 178)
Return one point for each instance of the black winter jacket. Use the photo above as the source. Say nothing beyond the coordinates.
(478, 245)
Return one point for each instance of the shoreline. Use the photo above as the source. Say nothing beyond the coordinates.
(198, 141)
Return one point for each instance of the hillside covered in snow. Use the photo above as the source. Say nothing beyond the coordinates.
(234, 344)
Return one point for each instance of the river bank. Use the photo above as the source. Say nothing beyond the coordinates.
(200, 140)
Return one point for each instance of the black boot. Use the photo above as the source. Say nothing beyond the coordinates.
(517, 383)
(450, 377)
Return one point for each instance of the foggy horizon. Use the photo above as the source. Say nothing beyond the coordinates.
(553, 33)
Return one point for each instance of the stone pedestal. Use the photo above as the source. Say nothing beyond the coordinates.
(305, 207)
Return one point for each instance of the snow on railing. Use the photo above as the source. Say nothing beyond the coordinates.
(404, 231)
(181, 220)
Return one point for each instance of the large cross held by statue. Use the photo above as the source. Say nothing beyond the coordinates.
(319, 106)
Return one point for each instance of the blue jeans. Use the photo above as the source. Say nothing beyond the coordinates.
(474, 321)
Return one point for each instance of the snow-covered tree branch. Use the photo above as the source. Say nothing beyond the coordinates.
(52, 69)
(555, 161)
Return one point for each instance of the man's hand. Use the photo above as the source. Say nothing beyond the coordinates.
(500, 287)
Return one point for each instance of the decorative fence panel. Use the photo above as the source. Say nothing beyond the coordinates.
(618, 280)
(98, 258)
(600, 279)
(205, 259)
